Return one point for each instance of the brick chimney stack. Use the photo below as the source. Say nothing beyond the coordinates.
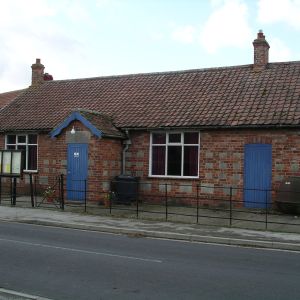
(261, 52)
(37, 73)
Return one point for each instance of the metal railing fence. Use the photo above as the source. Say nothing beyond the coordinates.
(194, 202)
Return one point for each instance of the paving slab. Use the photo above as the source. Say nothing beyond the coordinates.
(146, 228)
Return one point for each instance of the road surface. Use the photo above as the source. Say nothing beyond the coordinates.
(64, 264)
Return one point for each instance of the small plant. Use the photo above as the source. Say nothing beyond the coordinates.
(49, 193)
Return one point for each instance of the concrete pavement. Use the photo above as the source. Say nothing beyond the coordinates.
(143, 228)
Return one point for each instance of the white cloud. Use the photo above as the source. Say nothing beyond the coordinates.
(273, 11)
(279, 51)
(227, 26)
(185, 34)
(29, 30)
(14, 12)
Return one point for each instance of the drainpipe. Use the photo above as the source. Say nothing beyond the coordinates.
(126, 144)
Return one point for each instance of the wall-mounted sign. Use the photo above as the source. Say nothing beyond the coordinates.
(11, 163)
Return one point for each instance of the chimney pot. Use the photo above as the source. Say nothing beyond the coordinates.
(48, 77)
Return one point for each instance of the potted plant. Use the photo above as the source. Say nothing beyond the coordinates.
(107, 200)
(49, 194)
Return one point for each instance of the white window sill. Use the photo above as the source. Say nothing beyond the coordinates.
(173, 177)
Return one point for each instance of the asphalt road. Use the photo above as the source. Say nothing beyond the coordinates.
(71, 264)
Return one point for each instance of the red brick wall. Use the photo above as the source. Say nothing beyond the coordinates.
(104, 161)
(221, 161)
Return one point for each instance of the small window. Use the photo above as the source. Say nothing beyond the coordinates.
(159, 138)
(11, 147)
(158, 160)
(32, 139)
(27, 143)
(191, 138)
(11, 139)
(21, 139)
(174, 154)
(174, 160)
(174, 137)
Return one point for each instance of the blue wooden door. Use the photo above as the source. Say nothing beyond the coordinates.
(77, 171)
(257, 175)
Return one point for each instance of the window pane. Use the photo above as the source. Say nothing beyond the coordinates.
(23, 147)
(190, 164)
(191, 137)
(158, 138)
(22, 139)
(16, 160)
(6, 167)
(10, 147)
(32, 139)
(174, 160)
(158, 160)
(174, 138)
(32, 157)
(11, 139)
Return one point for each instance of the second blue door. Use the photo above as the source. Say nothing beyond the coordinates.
(257, 175)
(77, 171)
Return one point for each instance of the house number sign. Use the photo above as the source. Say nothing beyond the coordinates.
(76, 154)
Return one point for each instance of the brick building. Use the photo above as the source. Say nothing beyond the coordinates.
(231, 126)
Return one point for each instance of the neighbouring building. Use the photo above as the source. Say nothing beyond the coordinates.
(231, 126)
(6, 98)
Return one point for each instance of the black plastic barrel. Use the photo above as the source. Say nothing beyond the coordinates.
(288, 196)
(125, 189)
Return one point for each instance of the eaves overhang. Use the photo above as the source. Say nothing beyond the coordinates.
(72, 117)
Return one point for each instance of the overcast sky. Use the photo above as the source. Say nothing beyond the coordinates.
(88, 38)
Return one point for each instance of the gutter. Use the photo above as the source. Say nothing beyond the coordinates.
(212, 127)
(126, 144)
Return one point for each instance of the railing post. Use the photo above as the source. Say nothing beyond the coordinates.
(166, 200)
(0, 189)
(197, 203)
(62, 200)
(266, 200)
(11, 192)
(137, 202)
(110, 201)
(85, 194)
(230, 207)
(14, 190)
(31, 190)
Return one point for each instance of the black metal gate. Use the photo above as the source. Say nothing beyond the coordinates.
(53, 195)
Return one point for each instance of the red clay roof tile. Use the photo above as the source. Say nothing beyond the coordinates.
(222, 97)
(7, 97)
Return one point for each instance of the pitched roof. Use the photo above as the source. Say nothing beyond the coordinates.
(216, 97)
(99, 124)
(7, 97)
(102, 122)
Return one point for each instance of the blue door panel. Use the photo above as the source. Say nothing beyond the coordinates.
(257, 175)
(77, 171)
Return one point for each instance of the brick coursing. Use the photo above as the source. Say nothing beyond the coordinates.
(221, 162)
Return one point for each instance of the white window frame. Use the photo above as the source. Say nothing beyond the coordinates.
(166, 153)
(26, 144)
